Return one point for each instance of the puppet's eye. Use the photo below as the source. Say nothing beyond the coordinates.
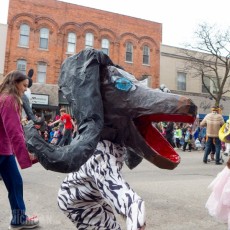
(123, 84)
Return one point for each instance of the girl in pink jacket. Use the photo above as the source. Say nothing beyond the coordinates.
(12, 143)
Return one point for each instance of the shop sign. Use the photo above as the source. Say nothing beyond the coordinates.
(40, 99)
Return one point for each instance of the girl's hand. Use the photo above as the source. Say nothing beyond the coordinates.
(33, 158)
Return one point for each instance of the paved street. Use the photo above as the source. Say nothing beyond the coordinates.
(174, 200)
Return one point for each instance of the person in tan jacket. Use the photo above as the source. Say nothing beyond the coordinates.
(213, 121)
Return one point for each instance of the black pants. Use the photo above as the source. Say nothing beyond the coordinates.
(66, 138)
(178, 142)
(189, 146)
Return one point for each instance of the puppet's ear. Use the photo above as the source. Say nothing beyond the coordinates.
(29, 113)
(30, 73)
(163, 88)
(80, 83)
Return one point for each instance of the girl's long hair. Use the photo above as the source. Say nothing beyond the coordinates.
(9, 85)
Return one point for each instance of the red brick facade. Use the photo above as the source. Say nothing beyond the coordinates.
(61, 18)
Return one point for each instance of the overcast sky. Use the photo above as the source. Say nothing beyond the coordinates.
(179, 18)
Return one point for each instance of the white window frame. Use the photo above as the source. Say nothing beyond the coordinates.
(181, 81)
(129, 52)
(41, 72)
(21, 65)
(24, 35)
(105, 46)
(146, 55)
(71, 42)
(209, 81)
(89, 40)
(44, 38)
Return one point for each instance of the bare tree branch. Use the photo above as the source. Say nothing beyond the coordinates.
(209, 59)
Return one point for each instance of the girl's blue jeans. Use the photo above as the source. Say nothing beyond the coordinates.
(14, 185)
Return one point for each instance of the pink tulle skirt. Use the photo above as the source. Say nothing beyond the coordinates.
(218, 203)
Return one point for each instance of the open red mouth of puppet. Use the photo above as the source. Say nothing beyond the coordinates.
(164, 155)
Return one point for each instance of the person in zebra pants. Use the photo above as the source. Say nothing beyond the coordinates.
(108, 104)
(88, 197)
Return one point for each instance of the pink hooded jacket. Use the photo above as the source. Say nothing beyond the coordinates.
(12, 139)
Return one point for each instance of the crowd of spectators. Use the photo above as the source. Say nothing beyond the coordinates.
(53, 130)
(201, 135)
(183, 136)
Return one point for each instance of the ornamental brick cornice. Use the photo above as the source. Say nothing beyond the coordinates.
(23, 16)
(69, 26)
(129, 35)
(46, 20)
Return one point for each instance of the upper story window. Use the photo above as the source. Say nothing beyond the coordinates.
(89, 40)
(146, 54)
(181, 81)
(21, 65)
(41, 73)
(71, 43)
(44, 38)
(24, 35)
(105, 46)
(129, 52)
(211, 84)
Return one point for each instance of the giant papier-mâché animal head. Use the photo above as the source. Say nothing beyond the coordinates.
(110, 104)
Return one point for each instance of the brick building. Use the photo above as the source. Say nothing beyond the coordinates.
(41, 34)
(3, 32)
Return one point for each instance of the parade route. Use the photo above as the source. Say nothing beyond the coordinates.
(175, 200)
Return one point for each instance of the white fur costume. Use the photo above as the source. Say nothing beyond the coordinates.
(89, 196)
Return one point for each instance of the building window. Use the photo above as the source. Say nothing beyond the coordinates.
(211, 84)
(21, 66)
(41, 74)
(129, 52)
(105, 46)
(71, 44)
(44, 38)
(146, 53)
(89, 39)
(181, 81)
(24, 35)
(207, 84)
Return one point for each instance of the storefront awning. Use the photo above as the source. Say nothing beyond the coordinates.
(48, 107)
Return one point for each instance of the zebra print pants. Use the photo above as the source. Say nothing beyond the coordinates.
(90, 196)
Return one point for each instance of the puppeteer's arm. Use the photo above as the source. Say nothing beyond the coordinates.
(29, 112)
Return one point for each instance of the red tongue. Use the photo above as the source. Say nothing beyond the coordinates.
(163, 155)
(157, 142)
(154, 139)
